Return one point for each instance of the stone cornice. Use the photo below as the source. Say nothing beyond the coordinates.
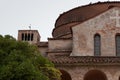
(85, 60)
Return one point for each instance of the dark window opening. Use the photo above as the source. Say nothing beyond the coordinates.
(32, 37)
(118, 45)
(26, 37)
(29, 37)
(97, 45)
(23, 36)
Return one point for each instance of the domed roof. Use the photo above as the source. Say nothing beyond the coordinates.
(77, 15)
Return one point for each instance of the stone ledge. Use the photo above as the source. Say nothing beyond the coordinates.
(42, 44)
(59, 51)
(85, 60)
(60, 38)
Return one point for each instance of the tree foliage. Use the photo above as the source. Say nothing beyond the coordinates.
(22, 61)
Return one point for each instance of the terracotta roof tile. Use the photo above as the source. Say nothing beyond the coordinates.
(80, 14)
(85, 60)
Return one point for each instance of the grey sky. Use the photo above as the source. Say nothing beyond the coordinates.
(41, 14)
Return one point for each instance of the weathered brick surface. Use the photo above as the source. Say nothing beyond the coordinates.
(36, 35)
(83, 35)
(43, 51)
(78, 72)
(60, 44)
(83, 45)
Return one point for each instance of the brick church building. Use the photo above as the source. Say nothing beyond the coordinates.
(85, 43)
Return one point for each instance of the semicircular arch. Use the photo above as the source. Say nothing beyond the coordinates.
(65, 75)
(95, 75)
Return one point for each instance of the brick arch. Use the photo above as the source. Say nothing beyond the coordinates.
(65, 75)
(95, 75)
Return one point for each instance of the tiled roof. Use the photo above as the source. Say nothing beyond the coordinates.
(85, 60)
(84, 12)
(63, 30)
(80, 14)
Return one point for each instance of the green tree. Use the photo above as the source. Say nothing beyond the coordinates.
(22, 61)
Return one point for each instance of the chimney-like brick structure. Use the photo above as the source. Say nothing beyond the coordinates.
(31, 36)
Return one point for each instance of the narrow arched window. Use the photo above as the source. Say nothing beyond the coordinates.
(118, 44)
(32, 35)
(23, 36)
(97, 45)
(28, 36)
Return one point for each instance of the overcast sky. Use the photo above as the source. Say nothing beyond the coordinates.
(41, 14)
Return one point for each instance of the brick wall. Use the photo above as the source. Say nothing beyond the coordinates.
(83, 35)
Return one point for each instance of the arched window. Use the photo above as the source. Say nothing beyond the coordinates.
(117, 44)
(97, 45)
(32, 36)
(23, 36)
(26, 37)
